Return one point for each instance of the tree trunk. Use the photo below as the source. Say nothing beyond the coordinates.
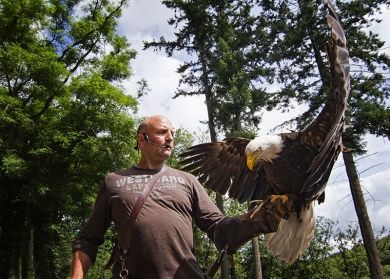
(374, 263)
(213, 137)
(208, 97)
(256, 254)
(43, 258)
(30, 254)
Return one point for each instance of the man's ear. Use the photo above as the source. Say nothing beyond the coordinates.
(141, 139)
(137, 140)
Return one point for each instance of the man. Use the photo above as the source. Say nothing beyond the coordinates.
(162, 239)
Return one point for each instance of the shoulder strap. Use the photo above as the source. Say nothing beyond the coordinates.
(125, 233)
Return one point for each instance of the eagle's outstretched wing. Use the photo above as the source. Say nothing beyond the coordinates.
(326, 130)
(221, 166)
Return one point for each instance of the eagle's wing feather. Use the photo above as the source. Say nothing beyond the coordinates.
(246, 192)
(221, 166)
(326, 131)
(246, 180)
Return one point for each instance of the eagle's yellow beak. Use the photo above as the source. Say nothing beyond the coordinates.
(250, 161)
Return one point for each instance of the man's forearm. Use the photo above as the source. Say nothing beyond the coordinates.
(81, 263)
(233, 232)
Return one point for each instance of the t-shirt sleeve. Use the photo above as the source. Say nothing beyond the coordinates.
(92, 233)
(206, 213)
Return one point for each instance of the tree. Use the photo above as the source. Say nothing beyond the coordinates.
(64, 124)
(353, 262)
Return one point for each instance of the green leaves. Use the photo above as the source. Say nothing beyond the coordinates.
(13, 165)
(114, 66)
(64, 123)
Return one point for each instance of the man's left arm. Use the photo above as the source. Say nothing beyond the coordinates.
(233, 232)
(205, 213)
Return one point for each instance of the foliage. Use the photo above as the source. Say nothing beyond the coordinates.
(384, 247)
(253, 55)
(352, 260)
(183, 140)
(64, 123)
(98, 270)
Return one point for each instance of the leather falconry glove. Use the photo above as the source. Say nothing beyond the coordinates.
(233, 232)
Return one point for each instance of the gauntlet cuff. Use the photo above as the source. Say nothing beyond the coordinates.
(233, 232)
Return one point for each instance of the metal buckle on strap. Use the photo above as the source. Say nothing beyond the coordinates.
(124, 271)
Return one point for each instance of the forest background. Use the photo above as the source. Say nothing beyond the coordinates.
(61, 132)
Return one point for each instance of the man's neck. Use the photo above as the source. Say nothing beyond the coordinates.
(145, 164)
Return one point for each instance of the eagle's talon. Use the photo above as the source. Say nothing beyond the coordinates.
(280, 206)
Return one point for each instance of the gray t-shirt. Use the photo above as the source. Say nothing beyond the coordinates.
(162, 236)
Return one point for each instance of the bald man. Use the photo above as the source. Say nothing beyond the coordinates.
(161, 243)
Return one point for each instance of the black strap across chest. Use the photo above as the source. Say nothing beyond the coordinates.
(125, 234)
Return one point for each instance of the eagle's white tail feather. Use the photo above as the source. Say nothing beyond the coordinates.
(293, 236)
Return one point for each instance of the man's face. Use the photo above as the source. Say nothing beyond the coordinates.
(160, 138)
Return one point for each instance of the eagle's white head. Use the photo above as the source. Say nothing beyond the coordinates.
(265, 148)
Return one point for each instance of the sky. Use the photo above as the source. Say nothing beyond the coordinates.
(144, 20)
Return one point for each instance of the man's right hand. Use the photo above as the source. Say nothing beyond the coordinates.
(81, 263)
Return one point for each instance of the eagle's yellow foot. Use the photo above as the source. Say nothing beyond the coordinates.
(282, 198)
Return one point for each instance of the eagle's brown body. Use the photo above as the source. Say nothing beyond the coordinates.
(302, 167)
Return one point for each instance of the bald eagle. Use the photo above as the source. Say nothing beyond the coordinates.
(296, 164)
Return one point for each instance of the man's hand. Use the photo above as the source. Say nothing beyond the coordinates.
(80, 265)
